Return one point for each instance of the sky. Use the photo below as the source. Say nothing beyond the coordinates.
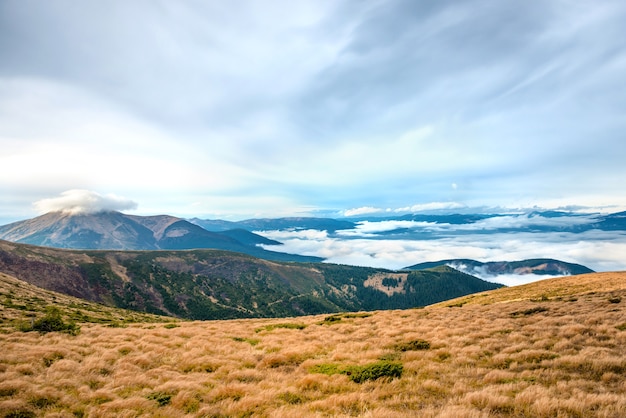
(272, 108)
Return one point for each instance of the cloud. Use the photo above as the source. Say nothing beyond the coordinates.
(365, 210)
(84, 201)
(596, 249)
(371, 228)
(432, 206)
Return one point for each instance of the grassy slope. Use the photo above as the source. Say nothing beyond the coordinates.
(516, 353)
(23, 302)
(549, 289)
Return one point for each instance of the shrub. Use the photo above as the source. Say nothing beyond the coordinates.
(162, 398)
(325, 368)
(251, 341)
(616, 299)
(359, 374)
(373, 371)
(528, 311)
(170, 326)
(414, 345)
(285, 325)
(52, 322)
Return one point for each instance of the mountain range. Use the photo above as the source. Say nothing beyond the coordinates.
(117, 231)
(213, 284)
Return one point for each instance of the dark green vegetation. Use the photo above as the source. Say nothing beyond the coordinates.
(361, 373)
(546, 266)
(52, 321)
(213, 284)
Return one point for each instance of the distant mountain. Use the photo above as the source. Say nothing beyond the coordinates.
(540, 266)
(212, 284)
(269, 224)
(118, 231)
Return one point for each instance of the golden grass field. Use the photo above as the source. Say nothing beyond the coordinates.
(556, 348)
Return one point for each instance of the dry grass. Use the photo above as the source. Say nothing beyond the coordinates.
(567, 359)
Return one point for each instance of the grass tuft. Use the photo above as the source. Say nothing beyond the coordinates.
(284, 325)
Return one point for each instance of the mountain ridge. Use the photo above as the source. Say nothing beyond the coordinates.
(537, 266)
(113, 230)
(216, 284)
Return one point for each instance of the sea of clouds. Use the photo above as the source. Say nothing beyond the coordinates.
(502, 238)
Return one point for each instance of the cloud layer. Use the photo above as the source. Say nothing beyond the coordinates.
(395, 244)
(84, 201)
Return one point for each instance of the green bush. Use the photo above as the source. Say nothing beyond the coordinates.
(360, 374)
(414, 345)
(52, 322)
(373, 371)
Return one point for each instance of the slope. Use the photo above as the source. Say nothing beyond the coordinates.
(212, 284)
(501, 359)
(22, 302)
(559, 288)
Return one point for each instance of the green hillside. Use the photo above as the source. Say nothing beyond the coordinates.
(212, 284)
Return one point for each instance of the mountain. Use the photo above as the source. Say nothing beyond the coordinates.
(541, 266)
(118, 231)
(271, 224)
(212, 284)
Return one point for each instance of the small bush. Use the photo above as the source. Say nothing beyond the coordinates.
(171, 325)
(414, 345)
(527, 312)
(162, 398)
(332, 319)
(616, 299)
(52, 322)
(373, 371)
(359, 374)
(326, 368)
(251, 341)
(286, 325)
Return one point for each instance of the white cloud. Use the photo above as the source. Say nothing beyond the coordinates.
(365, 210)
(598, 250)
(370, 228)
(84, 201)
(423, 207)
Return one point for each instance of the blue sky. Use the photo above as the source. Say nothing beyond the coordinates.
(271, 108)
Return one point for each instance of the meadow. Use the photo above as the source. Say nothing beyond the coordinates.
(550, 349)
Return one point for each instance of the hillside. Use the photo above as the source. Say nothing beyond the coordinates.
(561, 357)
(112, 230)
(555, 289)
(211, 284)
(21, 302)
(537, 266)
